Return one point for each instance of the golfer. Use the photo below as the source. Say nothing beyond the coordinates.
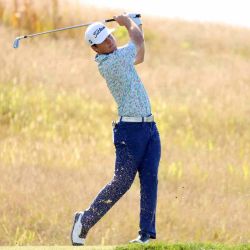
(136, 138)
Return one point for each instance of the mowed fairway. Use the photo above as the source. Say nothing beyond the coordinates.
(56, 149)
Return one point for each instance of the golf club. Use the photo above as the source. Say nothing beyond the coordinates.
(17, 40)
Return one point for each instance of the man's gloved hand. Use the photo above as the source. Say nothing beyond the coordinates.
(137, 20)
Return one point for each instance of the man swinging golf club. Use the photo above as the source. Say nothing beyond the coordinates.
(136, 137)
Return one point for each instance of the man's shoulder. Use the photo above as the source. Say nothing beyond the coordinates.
(130, 44)
(122, 55)
(128, 48)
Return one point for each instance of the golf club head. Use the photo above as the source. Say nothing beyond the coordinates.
(16, 43)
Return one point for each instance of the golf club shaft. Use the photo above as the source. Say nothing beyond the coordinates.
(17, 40)
(70, 27)
(56, 30)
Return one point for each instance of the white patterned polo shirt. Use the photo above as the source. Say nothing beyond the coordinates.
(117, 68)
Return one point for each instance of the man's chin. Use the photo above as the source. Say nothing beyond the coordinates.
(113, 49)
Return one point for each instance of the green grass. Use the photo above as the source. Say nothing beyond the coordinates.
(57, 248)
(184, 246)
(158, 246)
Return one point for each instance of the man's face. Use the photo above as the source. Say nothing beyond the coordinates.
(106, 47)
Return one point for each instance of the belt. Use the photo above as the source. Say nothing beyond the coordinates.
(136, 119)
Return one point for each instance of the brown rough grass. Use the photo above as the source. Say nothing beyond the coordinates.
(56, 151)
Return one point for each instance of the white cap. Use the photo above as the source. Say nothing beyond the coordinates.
(96, 33)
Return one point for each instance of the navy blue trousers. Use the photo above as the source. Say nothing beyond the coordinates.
(138, 149)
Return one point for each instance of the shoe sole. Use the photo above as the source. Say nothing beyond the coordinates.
(139, 242)
(75, 220)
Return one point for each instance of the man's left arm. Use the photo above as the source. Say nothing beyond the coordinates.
(140, 50)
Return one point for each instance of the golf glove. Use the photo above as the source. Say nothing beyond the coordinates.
(137, 20)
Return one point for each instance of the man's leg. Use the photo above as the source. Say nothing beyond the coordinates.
(148, 174)
(125, 172)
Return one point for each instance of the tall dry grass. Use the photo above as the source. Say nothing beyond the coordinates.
(56, 149)
(36, 16)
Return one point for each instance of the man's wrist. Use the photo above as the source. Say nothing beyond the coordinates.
(128, 23)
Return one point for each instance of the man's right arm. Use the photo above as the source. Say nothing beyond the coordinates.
(135, 34)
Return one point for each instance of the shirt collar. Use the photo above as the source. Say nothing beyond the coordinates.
(101, 57)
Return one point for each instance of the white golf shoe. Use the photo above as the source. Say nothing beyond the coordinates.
(76, 238)
(142, 239)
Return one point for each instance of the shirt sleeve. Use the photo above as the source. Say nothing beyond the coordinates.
(113, 65)
(129, 51)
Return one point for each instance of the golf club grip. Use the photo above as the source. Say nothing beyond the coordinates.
(112, 19)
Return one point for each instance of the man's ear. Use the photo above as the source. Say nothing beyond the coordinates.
(94, 47)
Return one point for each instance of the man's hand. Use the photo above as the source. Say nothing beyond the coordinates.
(135, 34)
(137, 20)
(123, 20)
